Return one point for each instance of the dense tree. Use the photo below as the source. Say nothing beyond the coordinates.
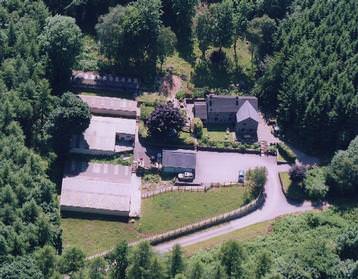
(263, 265)
(46, 260)
(196, 271)
(179, 14)
(141, 262)
(176, 261)
(232, 257)
(97, 269)
(260, 32)
(165, 120)
(347, 243)
(61, 41)
(22, 268)
(315, 184)
(119, 261)
(342, 173)
(222, 24)
(157, 271)
(71, 116)
(137, 25)
(319, 88)
(72, 260)
(203, 32)
(166, 44)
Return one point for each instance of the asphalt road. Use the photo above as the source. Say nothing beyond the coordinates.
(275, 205)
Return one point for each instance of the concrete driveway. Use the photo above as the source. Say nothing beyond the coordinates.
(223, 167)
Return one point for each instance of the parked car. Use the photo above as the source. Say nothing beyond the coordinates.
(186, 176)
(241, 176)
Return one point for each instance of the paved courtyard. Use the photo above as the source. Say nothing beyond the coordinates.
(223, 167)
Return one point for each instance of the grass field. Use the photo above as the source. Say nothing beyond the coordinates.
(244, 234)
(291, 190)
(161, 213)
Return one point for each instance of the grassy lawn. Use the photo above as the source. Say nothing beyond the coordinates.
(217, 133)
(172, 210)
(123, 159)
(291, 190)
(244, 234)
(161, 213)
(280, 159)
(94, 236)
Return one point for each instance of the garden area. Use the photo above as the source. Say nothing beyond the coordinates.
(161, 213)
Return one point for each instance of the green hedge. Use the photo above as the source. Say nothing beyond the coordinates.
(286, 153)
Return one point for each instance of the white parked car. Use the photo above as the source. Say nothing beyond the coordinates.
(186, 176)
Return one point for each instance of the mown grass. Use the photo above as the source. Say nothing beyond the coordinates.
(217, 133)
(159, 214)
(172, 210)
(243, 234)
(292, 190)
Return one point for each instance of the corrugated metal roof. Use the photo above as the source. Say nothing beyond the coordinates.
(97, 102)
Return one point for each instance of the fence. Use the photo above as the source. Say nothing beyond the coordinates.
(237, 213)
(185, 188)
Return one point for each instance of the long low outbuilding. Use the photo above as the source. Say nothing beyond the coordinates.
(99, 81)
(111, 106)
(95, 188)
(105, 136)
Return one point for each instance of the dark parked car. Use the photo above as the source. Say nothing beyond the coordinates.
(241, 176)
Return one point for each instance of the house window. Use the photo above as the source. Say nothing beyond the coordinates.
(243, 130)
(244, 124)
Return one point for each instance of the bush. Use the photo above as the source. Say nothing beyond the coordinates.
(286, 153)
(181, 95)
(315, 184)
(198, 128)
(297, 173)
(145, 111)
(257, 178)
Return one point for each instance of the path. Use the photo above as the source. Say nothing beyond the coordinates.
(275, 205)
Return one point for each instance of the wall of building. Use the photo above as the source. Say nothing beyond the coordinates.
(247, 127)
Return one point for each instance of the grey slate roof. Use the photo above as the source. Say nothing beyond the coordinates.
(217, 103)
(200, 110)
(247, 111)
(179, 158)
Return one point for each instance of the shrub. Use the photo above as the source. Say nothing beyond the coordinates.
(286, 153)
(315, 184)
(198, 128)
(181, 95)
(257, 178)
(297, 173)
(145, 111)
